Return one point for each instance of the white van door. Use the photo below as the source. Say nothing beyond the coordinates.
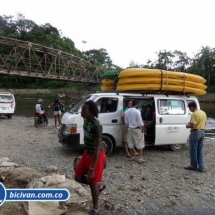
(171, 118)
(110, 111)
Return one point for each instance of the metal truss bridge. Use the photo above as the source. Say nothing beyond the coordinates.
(22, 58)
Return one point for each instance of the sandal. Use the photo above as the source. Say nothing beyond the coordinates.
(93, 212)
(131, 159)
(140, 161)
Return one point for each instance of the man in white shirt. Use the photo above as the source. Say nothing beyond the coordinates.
(134, 123)
(39, 109)
(38, 106)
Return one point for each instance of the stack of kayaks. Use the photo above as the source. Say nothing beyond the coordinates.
(152, 80)
(110, 80)
(108, 84)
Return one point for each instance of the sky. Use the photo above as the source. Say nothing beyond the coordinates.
(129, 30)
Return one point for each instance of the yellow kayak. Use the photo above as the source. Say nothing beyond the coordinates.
(140, 72)
(107, 87)
(158, 87)
(108, 81)
(155, 80)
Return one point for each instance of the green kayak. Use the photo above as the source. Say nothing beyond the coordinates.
(111, 74)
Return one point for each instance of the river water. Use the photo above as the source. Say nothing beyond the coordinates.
(25, 107)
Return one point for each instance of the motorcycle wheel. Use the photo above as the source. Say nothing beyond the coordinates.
(45, 123)
(37, 122)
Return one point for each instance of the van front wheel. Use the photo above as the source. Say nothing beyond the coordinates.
(176, 147)
(107, 144)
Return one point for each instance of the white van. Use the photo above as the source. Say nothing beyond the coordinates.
(7, 104)
(171, 116)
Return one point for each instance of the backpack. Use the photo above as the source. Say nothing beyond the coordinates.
(56, 107)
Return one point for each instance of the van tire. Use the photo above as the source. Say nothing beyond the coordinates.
(176, 147)
(9, 116)
(107, 144)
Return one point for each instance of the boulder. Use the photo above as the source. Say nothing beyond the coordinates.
(20, 177)
(78, 193)
(47, 208)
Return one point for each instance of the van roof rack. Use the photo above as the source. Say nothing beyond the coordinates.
(145, 93)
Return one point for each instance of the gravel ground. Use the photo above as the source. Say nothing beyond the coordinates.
(159, 186)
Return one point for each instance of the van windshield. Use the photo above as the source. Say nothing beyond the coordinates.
(6, 99)
(78, 106)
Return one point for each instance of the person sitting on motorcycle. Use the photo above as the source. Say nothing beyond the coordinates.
(39, 109)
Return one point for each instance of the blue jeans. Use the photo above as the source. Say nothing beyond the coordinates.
(196, 149)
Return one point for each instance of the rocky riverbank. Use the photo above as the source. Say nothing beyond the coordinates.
(159, 186)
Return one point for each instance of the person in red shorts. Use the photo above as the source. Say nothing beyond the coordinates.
(89, 169)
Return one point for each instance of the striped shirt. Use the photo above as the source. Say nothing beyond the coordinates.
(92, 131)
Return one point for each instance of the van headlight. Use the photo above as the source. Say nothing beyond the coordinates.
(70, 129)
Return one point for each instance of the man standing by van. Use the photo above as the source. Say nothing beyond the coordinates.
(134, 123)
(125, 129)
(197, 124)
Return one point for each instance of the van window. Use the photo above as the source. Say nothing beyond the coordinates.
(171, 106)
(6, 98)
(107, 105)
(77, 107)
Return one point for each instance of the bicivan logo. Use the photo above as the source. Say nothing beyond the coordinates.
(2, 194)
(32, 194)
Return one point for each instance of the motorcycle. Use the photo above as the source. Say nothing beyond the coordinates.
(39, 119)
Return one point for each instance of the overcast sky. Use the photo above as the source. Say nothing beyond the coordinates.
(130, 30)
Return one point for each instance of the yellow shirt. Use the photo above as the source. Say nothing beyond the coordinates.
(199, 119)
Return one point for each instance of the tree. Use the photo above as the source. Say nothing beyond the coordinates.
(205, 62)
(23, 26)
(99, 57)
(164, 60)
(149, 64)
(182, 61)
(8, 27)
(134, 65)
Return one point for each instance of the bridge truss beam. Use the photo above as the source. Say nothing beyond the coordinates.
(22, 58)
